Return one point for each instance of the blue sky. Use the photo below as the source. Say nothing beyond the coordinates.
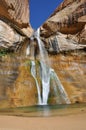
(40, 10)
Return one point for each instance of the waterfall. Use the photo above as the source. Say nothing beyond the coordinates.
(28, 50)
(50, 43)
(43, 53)
(45, 77)
(59, 86)
(46, 73)
(33, 72)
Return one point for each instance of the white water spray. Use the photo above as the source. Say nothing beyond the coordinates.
(60, 87)
(28, 50)
(45, 71)
(33, 72)
(46, 74)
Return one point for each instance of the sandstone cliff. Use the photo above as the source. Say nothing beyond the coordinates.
(15, 30)
(14, 20)
(70, 19)
(64, 37)
(15, 11)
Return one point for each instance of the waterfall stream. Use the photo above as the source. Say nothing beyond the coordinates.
(60, 86)
(46, 74)
(28, 50)
(45, 71)
(33, 72)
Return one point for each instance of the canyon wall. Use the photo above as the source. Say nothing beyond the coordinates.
(64, 38)
(64, 35)
(14, 20)
(69, 18)
(15, 30)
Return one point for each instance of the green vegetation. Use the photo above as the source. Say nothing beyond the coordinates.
(27, 62)
(4, 52)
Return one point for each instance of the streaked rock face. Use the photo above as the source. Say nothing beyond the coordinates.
(71, 69)
(14, 15)
(8, 36)
(14, 29)
(63, 32)
(17, 86)
(68, 18)
(15, 11)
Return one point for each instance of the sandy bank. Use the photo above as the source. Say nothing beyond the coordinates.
(68, 122)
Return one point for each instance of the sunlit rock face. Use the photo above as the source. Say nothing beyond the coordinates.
(64, 42)
(7, 41)
(71, 69)
(15, 11)
(82, 37)
(24, 91)
(17, 86)
(14, 29)
(15, 14)
(64, 33)
(68, 18)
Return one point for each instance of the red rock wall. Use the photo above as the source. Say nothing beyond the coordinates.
(15, 11)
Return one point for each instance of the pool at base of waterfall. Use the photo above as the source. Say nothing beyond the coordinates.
(45, 110)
